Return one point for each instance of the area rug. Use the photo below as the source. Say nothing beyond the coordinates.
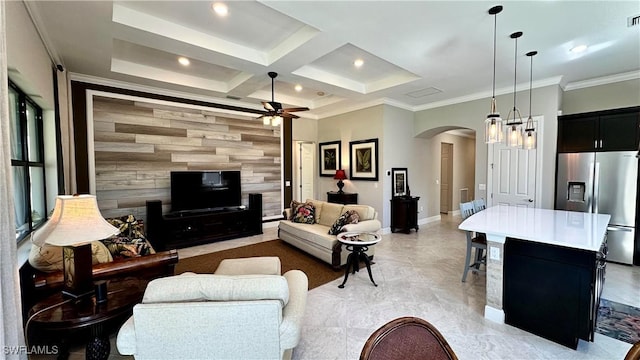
(618, 321)
(317, 271)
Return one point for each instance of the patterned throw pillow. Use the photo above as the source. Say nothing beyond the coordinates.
(304, 213)
(131, 241)
(349, 217)
(294, 208)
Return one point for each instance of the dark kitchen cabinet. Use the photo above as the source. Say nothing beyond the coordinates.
(553, 291)
(611, 130)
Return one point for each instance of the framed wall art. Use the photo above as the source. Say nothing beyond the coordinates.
(363, 159)
(399, 182)
(329, 158)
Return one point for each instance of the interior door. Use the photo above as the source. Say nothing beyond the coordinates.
(446, 177)
(303, 170)
(307, 156)
(513, 176)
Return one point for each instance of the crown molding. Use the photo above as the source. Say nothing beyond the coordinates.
(36, 19)
(159, 91)
(556, 80)
(631, 75)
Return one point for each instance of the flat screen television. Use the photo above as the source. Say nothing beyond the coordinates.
(205, 190)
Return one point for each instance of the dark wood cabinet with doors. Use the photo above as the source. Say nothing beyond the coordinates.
(609, 130)
(404, 213)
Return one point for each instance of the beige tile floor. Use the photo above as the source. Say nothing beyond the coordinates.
(419, 275)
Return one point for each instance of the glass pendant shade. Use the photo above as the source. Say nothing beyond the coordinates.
(529, 141)
(493, 129)
(266, 120)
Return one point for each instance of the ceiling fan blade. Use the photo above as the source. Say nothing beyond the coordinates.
(289, 115)
(296, 109)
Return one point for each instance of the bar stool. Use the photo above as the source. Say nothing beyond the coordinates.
(474, 241)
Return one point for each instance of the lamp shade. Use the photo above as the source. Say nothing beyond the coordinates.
(340, 175)
(76, 220)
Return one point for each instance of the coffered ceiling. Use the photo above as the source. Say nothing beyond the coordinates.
(415, 54)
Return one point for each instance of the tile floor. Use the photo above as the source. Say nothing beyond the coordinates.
(419, 275)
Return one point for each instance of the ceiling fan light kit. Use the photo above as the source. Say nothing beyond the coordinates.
(274, 111)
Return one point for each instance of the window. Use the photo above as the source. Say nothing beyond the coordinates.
(27, 162)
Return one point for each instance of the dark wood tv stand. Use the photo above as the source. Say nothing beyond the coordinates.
(190, 228)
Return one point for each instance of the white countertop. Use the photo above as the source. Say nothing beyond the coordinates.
(557, 227)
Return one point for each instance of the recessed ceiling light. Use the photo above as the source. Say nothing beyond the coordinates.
(298, 87)
(358, 63)
(183, 61)
(578, 49)
(220, 9)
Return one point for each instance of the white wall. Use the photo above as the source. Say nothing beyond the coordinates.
(353, 126)
(401, 149)
(28, 61)
(604, 97)
(471, 115)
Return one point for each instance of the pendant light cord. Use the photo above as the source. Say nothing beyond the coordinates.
(515, 76)
(530, 83)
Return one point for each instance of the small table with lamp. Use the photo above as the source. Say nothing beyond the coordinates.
(60, 314)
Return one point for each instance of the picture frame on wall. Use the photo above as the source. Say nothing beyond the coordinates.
(329, 157)
(399, 182)
(363, 159)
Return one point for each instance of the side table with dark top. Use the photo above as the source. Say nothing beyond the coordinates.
(404, 213)
(56, 315)
(344, 198)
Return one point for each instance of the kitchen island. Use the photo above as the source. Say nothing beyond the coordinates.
(545, 269)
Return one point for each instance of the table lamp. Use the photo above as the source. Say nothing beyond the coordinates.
(76, 222)
(340, 175)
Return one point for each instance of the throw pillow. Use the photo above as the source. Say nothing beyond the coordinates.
(294, 208)
(48, 258)
(305, 214)
(131, 241)
(349, 217)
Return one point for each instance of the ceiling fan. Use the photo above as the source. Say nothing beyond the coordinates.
(275, 108)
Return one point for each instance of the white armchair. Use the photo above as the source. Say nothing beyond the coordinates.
(213, 316)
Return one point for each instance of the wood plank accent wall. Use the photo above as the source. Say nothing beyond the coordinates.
(137, 144)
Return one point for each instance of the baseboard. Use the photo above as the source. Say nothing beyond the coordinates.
(428, 220)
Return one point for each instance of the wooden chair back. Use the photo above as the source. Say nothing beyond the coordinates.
(407, 338)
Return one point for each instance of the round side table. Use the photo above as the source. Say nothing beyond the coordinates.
(358, 243)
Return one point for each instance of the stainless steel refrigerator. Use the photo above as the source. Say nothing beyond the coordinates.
(604, 183)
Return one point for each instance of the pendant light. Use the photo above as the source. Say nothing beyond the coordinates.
(513, 126)
(530, 135)
(493, 123)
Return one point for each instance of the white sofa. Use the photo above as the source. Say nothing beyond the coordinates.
(243, 311)
(315, 239)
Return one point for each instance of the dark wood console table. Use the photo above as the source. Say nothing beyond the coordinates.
(404, 213)
(342, 198)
